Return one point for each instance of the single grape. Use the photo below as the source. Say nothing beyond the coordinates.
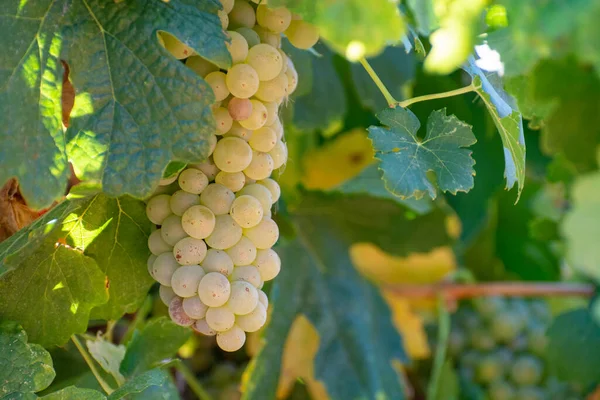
(178, 49)
(488, 307)
(243, 252)
(489, 369)
(193, 180)
(268, 263)
(530, 393)
(166, 294)
(218, 84)
(220, 318)
(156, 244)
(238, 47)
(275, 19)
(456, 341)
(239, 109)
(226, 233)
(268, 37)
(223, 120)
(198, 222)
(177, 314)
(243, 299)
(257, 118)
(537, 339)
(263, 299)
(506, 326)
(182, 200)
(218, 261)
(232, 339)
(527, 370)
(263, 139)
(272, 112)
(254, 320)
(470, 358)
(242, 14)
(200, 66)
(247, 273)
(468, 319)
(251, 36)
(273, 187)
(224, 18)
(482, 339)
(150, 263)
(214, 289)
(163, 268)
(194, 307)
(540, 310)
(274, 89)
(292, 76)
(227, 5)
(266, 60)
(259, 192)
(264, 235)
(239, 131)
(172, 230)
(260, 167)
(501, 390)
(185, 280)
(218, 198)
(158, 207)
(279, 154)
(234, 181)
(189, 251)
(242, 81)
(208, 168)
(212, 143)
(202, 327)
(277, 127)
(247, 211)
(302, 35)
(232, 154)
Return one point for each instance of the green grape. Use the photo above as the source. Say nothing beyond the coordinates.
(247, 273)
(156, 244)
(273, 187)
(238, 47)
(488, 307)
(263, 139)
(158, 207)
(264, 235)
(266, 60)
(456, 342)
(189, 251)
(223, 120)
(537, 339)
(193, 180)
(181, 200)
(259, 192)
(268, 37)
(224, 18)
(202, 327)
(274, 89)
(242, 14)
(217, 198)
(231, 340)
(220, 318)
(194, 307)
(239, 109)
(234, 181)
(275, 19)
(243, 252)
(292, 76)
(527, 370)
(226, 233)
(218, 261)
(505, 355)
(198, 222)
(254, 320)
(482, 339)
(208, 168)
(268, 263)
(227, 5)
(214, 289)
(251, 36)
(261, 166)
(150, 263)
(519, 343)
(200, 66)
(166, 294)
(178, 49)
(541, 310)
(247, 211)
(506, 326)
(277, 127)
(172, 230)
(177, 314)
(239, 132)
(257, 117)
(272, 112)
(218, 83)
(232, 154)
(243, 298)
(302, 35)
(489, 369)
(530, 393)
(501, 390)
(242, 81)
(163, 268)
(185, 280)
(263, 299)
(279, 154)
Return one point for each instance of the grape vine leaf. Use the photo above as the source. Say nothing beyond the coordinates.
(75, 393)
(123, 130)
(508, 121)
(406, 159)
(424, 14)
(159, 339)
(108, 355)
(82, 254)
(351, 24)
(326, 225)
(25, 368)
(573, 350)
(153, 384)
(580, 226)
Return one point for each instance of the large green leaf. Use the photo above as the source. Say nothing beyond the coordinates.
(80, 255)
(406, 159)
(136, 107)
(75, 393)
(508, 121)
(24, 368)
(159, 339)
(342, 22)
(318, 280)
(153, 384)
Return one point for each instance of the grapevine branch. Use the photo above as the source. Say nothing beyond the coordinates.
(459, 291)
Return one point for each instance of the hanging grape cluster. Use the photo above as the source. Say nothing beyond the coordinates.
(212, 252)
(499, 345)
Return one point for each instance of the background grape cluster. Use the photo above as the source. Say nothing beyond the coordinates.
(212, 251)
(498, 345)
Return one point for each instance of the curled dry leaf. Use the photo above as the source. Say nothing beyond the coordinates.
(14, 213)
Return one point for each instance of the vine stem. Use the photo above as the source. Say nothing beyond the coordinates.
(457, 291)
(442, 344)
(386, 93)
(189, 377)
(88, 360)
(441, 95)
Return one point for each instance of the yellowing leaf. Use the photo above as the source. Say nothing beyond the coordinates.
(299, 353)
(339, 160)
(409, 324)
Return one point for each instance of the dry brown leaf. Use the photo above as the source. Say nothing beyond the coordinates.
(14, 213)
